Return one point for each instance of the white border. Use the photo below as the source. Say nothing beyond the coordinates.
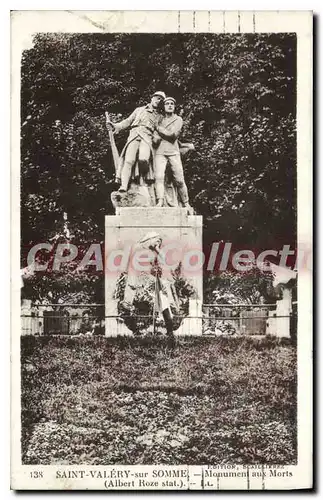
(285, 22)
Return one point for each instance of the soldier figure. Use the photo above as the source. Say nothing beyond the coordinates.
(142, 123)
(168, 150)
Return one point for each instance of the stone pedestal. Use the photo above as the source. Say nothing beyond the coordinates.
(182, 237)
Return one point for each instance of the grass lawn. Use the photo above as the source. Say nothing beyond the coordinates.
(107, 401)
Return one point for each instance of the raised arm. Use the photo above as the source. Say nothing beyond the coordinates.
(123, 125)
(126, 123)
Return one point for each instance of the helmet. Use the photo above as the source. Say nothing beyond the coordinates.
(160, 94)
(170, 99)
(150, 236)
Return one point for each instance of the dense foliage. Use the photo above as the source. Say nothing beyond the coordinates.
(135, 401)
(237, 93)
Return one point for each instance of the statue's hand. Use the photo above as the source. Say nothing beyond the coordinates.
(184, 147)
(156, 139)
(110, 125)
